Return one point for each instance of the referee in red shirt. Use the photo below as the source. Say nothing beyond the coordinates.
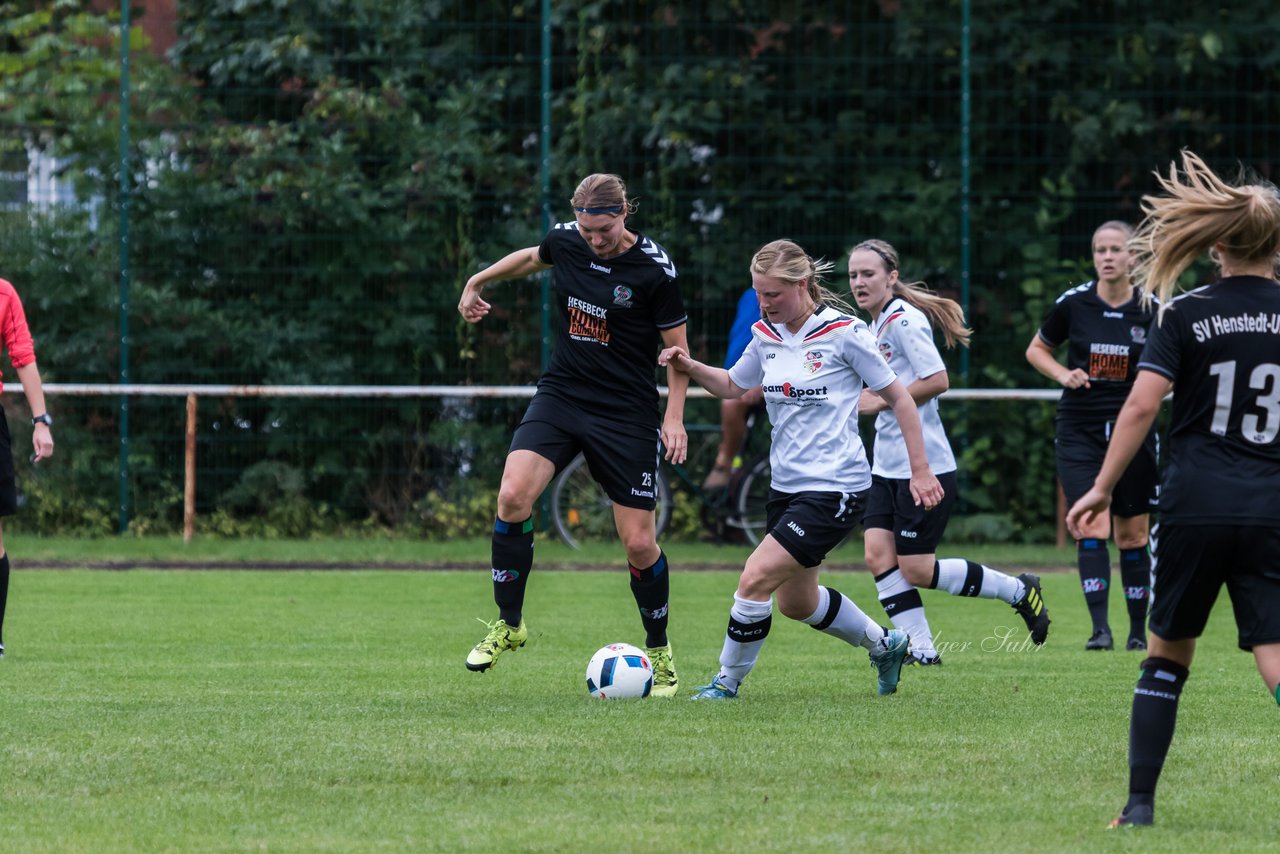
(16, 338)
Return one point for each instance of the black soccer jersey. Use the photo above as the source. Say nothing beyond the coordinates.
(611, 314)
(1104, 341)
(1220, 345)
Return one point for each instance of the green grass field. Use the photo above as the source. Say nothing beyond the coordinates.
(329, 711)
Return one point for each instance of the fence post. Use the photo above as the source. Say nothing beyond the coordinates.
(124, 264)
(189, 477)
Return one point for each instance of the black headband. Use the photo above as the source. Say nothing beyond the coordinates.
(615, 209)
(888, 262)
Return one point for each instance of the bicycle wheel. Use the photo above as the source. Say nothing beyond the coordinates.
(581, 512)
(753, 495)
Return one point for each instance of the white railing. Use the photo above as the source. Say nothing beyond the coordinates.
(192, 393)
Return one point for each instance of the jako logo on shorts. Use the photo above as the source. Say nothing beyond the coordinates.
(505, 574)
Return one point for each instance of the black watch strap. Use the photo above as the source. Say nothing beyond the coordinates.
(46, 418)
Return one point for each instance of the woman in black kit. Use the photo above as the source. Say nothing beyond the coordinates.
(618, 298)
(1218, 349)
(1104, 324)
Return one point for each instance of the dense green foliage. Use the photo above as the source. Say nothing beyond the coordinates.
(307, 193)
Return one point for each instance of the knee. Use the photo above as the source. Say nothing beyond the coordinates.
(756, 585)
(917, 573)
(514, 502)
(642, 550)
(792, 609)
(1131, 538)
(880, 558)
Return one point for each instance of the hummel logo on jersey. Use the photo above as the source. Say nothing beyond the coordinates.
(793, 526)
(598, 268)
(662, 259)
(1114, 314)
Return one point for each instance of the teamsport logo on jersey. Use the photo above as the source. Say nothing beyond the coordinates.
(622, 296)
(813, 361)
(1138, 334)
(504, 575)
(797, 396)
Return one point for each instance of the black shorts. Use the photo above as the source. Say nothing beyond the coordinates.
(916, 531)
(810, 524)
(1194, 561)
(1081, 446)
(8, 487)
(622, 455)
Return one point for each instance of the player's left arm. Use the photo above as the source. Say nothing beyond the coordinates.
(924, 485)
(33, 388)
(674, 437)
(921, 390)
(915, 341)
(1132, 426)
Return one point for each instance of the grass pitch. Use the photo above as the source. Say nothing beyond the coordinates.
(330, 711)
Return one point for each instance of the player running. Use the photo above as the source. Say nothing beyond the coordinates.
(812, 360)
(617, 296)
(1218, 349)
(901, 538)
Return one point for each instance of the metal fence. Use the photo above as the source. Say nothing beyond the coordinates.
(368, 156)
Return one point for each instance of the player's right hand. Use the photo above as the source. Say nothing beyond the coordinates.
(1076, 379)
(675, 357)
(471, 307)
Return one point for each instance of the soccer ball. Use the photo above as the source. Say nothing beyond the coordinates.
(619, 671)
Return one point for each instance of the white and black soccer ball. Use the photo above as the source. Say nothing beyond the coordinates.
(619, 671)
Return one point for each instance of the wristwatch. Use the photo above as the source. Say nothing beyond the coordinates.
(46, 419)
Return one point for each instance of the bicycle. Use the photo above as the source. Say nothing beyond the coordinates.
(581, 512)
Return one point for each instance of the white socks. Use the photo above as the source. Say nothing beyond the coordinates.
(836, 615)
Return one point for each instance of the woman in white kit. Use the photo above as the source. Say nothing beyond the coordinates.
(812, 357)
(901, 539)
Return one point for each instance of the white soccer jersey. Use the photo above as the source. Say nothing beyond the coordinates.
(812, 381)
(905, 339)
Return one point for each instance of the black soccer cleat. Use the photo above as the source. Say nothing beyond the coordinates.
(1101, 639)
(1031, 608)
(1135, 815)
(1135, 644)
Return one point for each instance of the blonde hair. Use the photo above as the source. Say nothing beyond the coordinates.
(944, 314)
(1197, 212)
(602, 193)
(785, 260)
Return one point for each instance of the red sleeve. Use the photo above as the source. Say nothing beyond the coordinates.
(13, 327)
